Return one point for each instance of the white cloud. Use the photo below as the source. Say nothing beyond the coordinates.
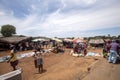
(33, 7)
(81, 3)
(89, 1)
(2, 13)
(60, 23)
(94, 20)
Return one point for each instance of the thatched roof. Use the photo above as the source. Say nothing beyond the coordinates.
(96, 41)
(79, 40)
(12, 40)
(106, 40)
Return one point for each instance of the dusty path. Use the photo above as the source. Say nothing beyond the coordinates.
(57, 67)
(104, 71)
(66, 67)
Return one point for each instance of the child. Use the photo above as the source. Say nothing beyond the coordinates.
(38, 62)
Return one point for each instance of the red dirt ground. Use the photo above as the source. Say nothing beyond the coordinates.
(56, 66)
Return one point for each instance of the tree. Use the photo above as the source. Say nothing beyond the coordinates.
(119, 36)
(108, 35)
(8, 30)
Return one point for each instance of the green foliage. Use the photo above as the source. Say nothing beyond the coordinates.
(119, 36)
(8, 30)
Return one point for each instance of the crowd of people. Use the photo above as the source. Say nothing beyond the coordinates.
(80, 48)
(38, 48)
(111, 51)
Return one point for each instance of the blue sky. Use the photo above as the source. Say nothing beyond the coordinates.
(62, 18)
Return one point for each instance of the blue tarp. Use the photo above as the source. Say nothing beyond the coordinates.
(19, 56)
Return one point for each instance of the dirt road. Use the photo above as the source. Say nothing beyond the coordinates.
(60, 66)
(63, 66)
(104, 71)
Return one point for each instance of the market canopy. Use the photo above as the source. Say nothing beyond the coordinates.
(68, 40)
(56, 39)
(13, 40)
(78, 40)
(96, 41)
(39, 39)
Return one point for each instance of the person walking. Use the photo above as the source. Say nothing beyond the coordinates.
(114, 46)
(13, 59)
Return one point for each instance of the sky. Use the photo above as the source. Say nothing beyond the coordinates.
(62, 18)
